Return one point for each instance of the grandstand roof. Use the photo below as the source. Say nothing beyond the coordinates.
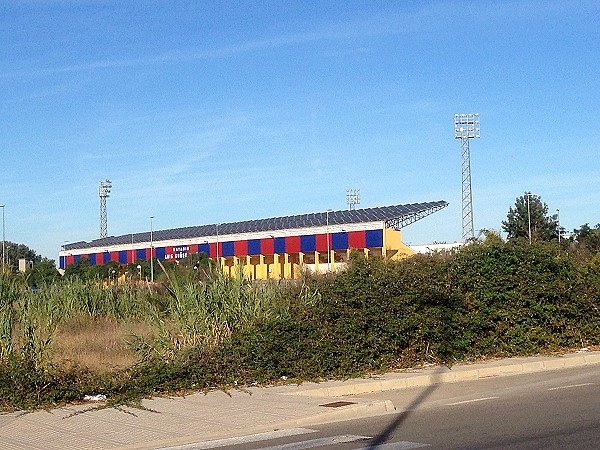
(396, 216)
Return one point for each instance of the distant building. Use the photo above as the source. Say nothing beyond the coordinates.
(430, 248)
(25, 265)
(278, 247)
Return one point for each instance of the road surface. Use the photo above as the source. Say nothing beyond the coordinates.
(550, 410)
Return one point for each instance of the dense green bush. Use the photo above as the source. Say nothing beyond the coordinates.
(25, 385)
(488, 299)
(522, 299)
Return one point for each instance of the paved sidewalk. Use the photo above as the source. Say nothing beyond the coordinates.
(178, 421)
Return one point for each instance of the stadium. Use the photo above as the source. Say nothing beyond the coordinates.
(274, 248)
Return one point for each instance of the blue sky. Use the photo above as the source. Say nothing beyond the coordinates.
(210, 111)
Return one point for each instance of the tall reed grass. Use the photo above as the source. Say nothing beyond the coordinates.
(8, 296)
(29, 321)
(184, 312)
(206, 312)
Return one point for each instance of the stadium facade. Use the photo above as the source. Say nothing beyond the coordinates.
(279, 247)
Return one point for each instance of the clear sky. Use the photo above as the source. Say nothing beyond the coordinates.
(211, 111)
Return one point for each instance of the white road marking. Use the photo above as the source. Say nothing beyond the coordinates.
(473, 401)
(570, 386)
(318, 442)
(242, 439)
(402, 445)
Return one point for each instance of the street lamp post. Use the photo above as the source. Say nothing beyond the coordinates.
(558, 223)
(151, 252)
(218, 262)
(529, 216)
(328, 246)
(217, 243)
(273, 266)
(3, 239)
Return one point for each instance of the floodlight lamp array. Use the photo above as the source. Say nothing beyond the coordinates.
(466, 126)
(105, 187)
(352, 198)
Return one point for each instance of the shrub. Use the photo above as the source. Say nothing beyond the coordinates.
(489, 298)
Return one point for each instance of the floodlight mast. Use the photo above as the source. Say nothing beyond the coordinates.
(352, 198)
(104, 192)
(466, 127)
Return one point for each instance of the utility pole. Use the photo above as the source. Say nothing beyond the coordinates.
(3, 240)
(328, 244)
(558, 223)
(528, 217)
(151, 251)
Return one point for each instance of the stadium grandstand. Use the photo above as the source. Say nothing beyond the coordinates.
(279, 247)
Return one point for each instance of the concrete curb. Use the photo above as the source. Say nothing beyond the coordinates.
(373, 408)
(435, 375)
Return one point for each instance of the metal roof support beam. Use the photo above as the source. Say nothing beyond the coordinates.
(398, 223)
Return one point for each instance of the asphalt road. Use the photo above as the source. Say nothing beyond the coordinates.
(550, 410)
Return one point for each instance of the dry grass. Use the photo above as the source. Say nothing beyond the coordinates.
(100, 344)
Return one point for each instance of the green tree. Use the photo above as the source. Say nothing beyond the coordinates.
(109, 271)
(81, 269)
(140, 273)
(586, 240)
(143, 273)
(530, 212)
(195, 262)
(15, 251)
(590, 237)
(42, 273)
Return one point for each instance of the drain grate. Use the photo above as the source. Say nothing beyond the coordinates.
(337, 404)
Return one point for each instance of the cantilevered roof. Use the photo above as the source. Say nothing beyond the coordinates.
(397, 216)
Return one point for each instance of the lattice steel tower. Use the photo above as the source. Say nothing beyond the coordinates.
(466, 127)
(104, 192)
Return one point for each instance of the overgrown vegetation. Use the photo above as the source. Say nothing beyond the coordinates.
(198, 330)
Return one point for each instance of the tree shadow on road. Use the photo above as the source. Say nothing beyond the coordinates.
(383, 437)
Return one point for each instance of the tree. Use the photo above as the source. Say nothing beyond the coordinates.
(15, 251)
(586, 240)
(530, 211)
(109, 271)
(195, 261)
(588, 236)
(81, 269)
(42, 273)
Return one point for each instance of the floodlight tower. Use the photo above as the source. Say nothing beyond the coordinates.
(352, 198)
(104, 192)
(466, 127)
